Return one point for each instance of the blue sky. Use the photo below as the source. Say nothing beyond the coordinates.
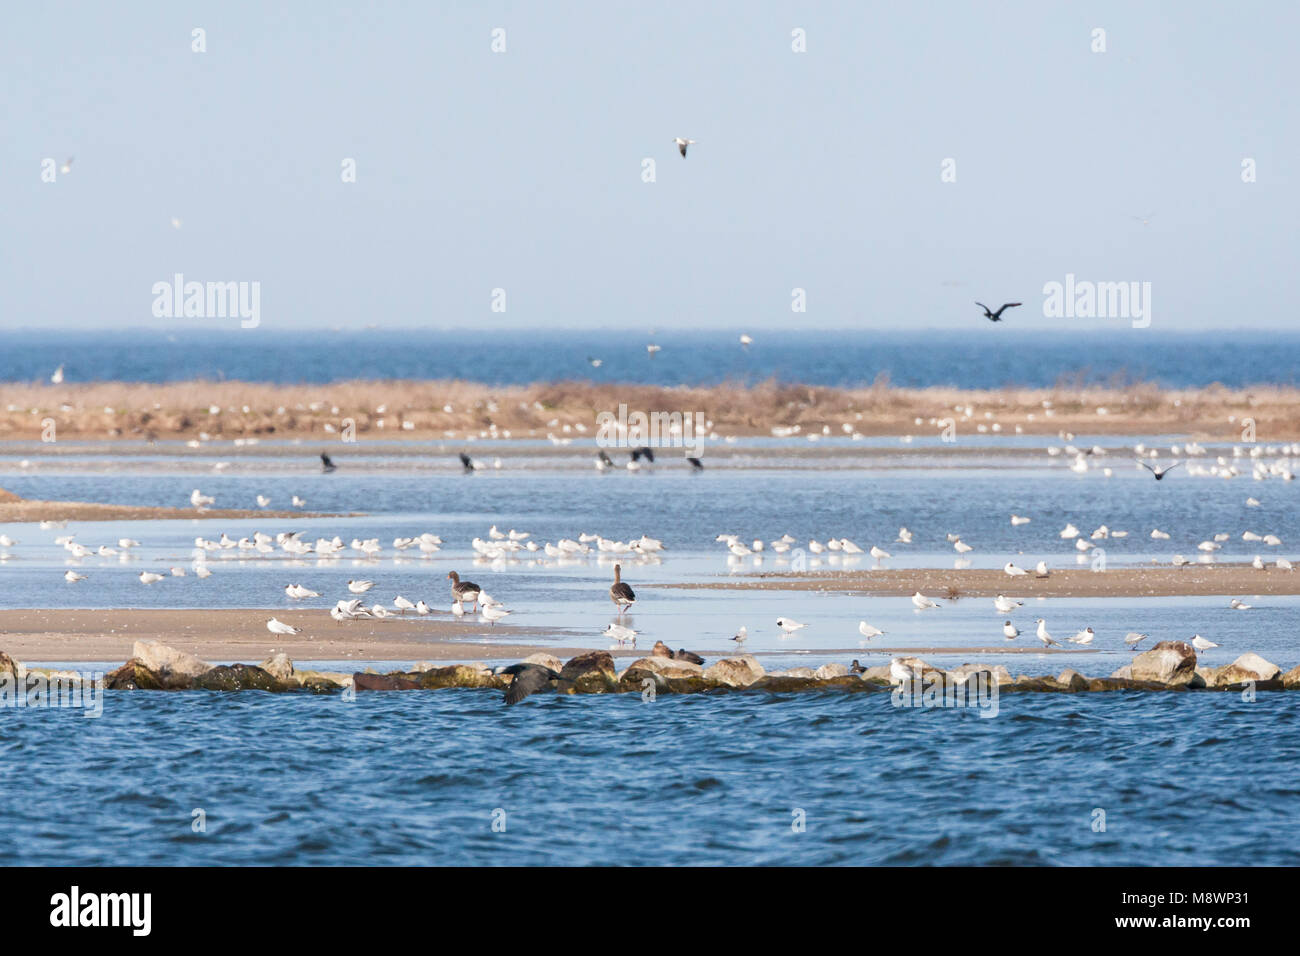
(522, 170)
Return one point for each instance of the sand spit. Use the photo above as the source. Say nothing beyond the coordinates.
(950, 584)
(453, 409)
(226, 634)
(15, 509)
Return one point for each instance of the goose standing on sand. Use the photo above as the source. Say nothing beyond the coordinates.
(462, 591)
(621, 594)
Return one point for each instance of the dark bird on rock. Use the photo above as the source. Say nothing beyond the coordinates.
(466, 462)
(856, 668)
(663, 650)
(325, 464)
(996, 316)
(528, 679)
(1158, 472)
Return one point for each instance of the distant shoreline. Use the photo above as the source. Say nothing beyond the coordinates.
(450, 410)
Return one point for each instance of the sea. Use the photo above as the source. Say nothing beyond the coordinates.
(987, 357)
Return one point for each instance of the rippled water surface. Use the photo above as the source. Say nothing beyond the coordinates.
(419, 777)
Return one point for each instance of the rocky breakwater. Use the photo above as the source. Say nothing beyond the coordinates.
(1168, 666)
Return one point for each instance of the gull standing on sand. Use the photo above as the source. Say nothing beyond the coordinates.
(1014, 571)
(620, 633)
(1040, 570)
(492, 613)
(867, 631)
(922, 603)
(1044, 636)
(279, 627)
(402, 604)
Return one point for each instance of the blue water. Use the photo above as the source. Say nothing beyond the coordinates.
(984, 357)
(415, 778)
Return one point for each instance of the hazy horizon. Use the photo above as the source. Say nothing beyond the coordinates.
(522, 170)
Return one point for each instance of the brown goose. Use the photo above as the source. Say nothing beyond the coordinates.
(462, 591)
(622, 595)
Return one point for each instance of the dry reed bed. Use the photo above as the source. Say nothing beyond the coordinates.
(454, 409)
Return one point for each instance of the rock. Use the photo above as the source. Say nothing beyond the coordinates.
(279, 667)
(827, 671)
(879, 673)
(1073, 680)
(1024, 682)
(1247, 667)
(735, 671)
(133, 675)
(239, 677)
(680, 677)
(1124, 673)
(460, 675)
(998, 673)
(1124, 683)
(807, 672)
(785, 683)
(590, 673)
(9, 666)
(1291, 679)
(383, 682)
(172, 666)
(1169, 662)
(545, 660)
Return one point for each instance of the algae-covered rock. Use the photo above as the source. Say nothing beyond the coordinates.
(590, 673)
(459, 675)
(398, 681)
(9, 666)
(735, 671)
(1291, 679)
(1072, 680)
(133, 675)
(239, 677)
(1247, 667)
(1169, 662)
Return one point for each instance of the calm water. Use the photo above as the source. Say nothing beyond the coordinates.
(415, 779)
(983, 357)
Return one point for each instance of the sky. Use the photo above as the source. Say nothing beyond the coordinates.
(523, 170)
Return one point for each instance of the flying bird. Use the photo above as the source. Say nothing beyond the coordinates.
(1158, 472)
(466, 462)
(682, 144)
(996, 316)
(326, 466)
(528, 679)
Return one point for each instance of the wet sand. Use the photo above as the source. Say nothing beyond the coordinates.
(455, 410)
(240, 635)
(950, 584)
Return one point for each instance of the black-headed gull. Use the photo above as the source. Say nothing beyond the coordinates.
(789, 625)
(279, 627)
(1044, 636)
(922, 603)
(682, 144)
